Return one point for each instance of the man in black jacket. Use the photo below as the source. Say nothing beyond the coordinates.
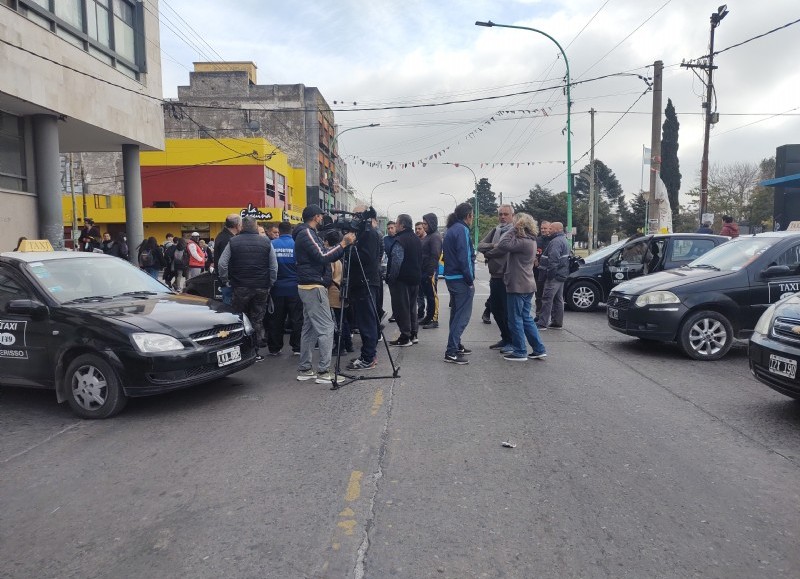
(403, 274)
(313, 260)
(251, 266)
(431, 252)
(364, 283)
(233, 225)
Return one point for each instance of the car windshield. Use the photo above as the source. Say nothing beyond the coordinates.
(735, 254)
(603, 253)
(88, 279)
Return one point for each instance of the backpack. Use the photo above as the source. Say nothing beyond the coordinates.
(180, 259)
(146, 259)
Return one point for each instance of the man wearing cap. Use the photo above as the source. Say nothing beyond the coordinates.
(197, 257)
(312, 260)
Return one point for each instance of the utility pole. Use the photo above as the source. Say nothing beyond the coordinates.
(74, 205)
(655, 145)
(592, 192)
(710, 118)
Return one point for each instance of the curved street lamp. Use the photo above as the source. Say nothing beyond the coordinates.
(329, 199)
(378, 185)
(476, 208)
(390, 206)
(455, 202)
(489, 24)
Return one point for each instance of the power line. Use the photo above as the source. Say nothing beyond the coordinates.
(787, 25)
(785, 113)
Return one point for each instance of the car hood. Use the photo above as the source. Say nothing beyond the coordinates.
(789, 308)
(176, 315)
(668, 280)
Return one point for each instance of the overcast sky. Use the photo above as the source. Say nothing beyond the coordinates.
(382, 53)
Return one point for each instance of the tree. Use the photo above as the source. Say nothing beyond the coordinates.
(606, 184)
(730, 188)
(670, 167)
(762, 200)
(543, 204)
(487, 201)
(633, 215)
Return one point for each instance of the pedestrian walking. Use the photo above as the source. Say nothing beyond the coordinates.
(459, 275)
(312, 261)
(496, 263)
(233, 225)
(517, 247)
(285, 299)
(404, 271)
(178, 257)
(149, 257)
(250, 265)
(431, 254)
(555, 266)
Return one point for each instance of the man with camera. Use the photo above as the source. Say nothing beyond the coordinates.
(312, 260)
(364, 283)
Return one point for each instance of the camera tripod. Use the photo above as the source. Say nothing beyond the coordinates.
(344, 294)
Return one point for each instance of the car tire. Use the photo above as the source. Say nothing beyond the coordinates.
(706, 335)
(93, 388)
(583, 296)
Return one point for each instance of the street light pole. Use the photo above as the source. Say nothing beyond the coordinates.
(569, 127)
(475, 192)
(333, 155)
(378, 185)
(455, 202)
(390, 206)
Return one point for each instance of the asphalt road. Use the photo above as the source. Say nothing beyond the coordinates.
(630, 461)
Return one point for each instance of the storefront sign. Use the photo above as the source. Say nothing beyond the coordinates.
(255, 212)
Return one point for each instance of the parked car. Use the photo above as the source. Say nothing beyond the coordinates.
(205, 285)
(98, 330)
(718, 297)
(774, 348)
(601, 272)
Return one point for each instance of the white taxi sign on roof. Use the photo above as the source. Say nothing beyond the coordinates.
(793, 226)
(35, 245)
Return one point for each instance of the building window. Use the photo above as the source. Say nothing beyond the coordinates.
(280, 186)
(110, 30)
(270, 183)
(12, 153)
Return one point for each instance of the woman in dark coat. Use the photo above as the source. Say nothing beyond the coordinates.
(150, 257)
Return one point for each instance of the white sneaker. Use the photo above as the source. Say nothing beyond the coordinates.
(327, 378)
(306, 375)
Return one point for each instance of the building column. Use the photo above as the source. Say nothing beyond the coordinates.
(48, 179)
(132, 186)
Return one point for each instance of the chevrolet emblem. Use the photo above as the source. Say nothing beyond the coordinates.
(225, 333)
(796, 329)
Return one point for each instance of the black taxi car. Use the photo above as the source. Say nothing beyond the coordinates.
(774, 349)
(98, 330)
(715, 299)
(601, 272)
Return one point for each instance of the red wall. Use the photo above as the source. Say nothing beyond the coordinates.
(206, 186)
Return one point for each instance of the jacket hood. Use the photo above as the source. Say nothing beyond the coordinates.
(432, 221)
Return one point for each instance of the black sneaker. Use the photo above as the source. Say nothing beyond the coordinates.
(455, 359)
(359, 364)
(541, 327)
(498, 345)
(430, 325)
(414, 339)
(464, 351)
(535, 356)
(486, 317)
(402, 341)
(556, 327)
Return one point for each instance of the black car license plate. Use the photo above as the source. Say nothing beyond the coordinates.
(613, 313)
(781, 366)
(229, 356)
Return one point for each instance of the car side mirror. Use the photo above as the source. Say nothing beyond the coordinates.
(33, 308)
(776, 271)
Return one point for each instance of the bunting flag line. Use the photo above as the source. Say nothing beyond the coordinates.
(484, 165)
(541, 112)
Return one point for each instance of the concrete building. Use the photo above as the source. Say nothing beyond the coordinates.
(83, 75)
(223, 99)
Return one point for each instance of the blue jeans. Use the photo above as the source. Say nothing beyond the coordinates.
(521, 324)
(227, 294)
(461, 296)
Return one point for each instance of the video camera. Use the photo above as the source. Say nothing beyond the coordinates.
(347, 221)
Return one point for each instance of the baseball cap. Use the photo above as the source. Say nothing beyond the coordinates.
(311, 211)
(195, 234)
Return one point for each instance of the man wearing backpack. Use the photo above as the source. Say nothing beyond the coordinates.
(197, 257)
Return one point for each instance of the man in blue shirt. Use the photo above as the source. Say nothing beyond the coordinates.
(459, 274)
(285, 299)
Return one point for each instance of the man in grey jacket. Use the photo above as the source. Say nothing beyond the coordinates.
(555, 267)
(497, 289)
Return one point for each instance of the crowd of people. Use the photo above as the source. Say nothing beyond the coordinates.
(321, 285)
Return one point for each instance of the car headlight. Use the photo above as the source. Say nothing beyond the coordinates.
(765, 321)
(657, 298)
(248, 327)
(148, 343)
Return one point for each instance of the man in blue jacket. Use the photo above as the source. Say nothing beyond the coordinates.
(554, 264)
(312, 262)
(459, 274)
(285, 296)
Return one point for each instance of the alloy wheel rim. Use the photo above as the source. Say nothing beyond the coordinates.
(89, 387)
(707, 336)
(583, 297)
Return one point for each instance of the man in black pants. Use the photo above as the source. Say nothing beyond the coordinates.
(404, 273)
(285, 296)
(497, 287)
(364, 285)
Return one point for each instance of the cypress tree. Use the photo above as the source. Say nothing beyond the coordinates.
(670, 167)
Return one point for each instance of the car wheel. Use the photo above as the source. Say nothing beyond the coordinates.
(583, 297)
(706, 336)
(94, 389)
